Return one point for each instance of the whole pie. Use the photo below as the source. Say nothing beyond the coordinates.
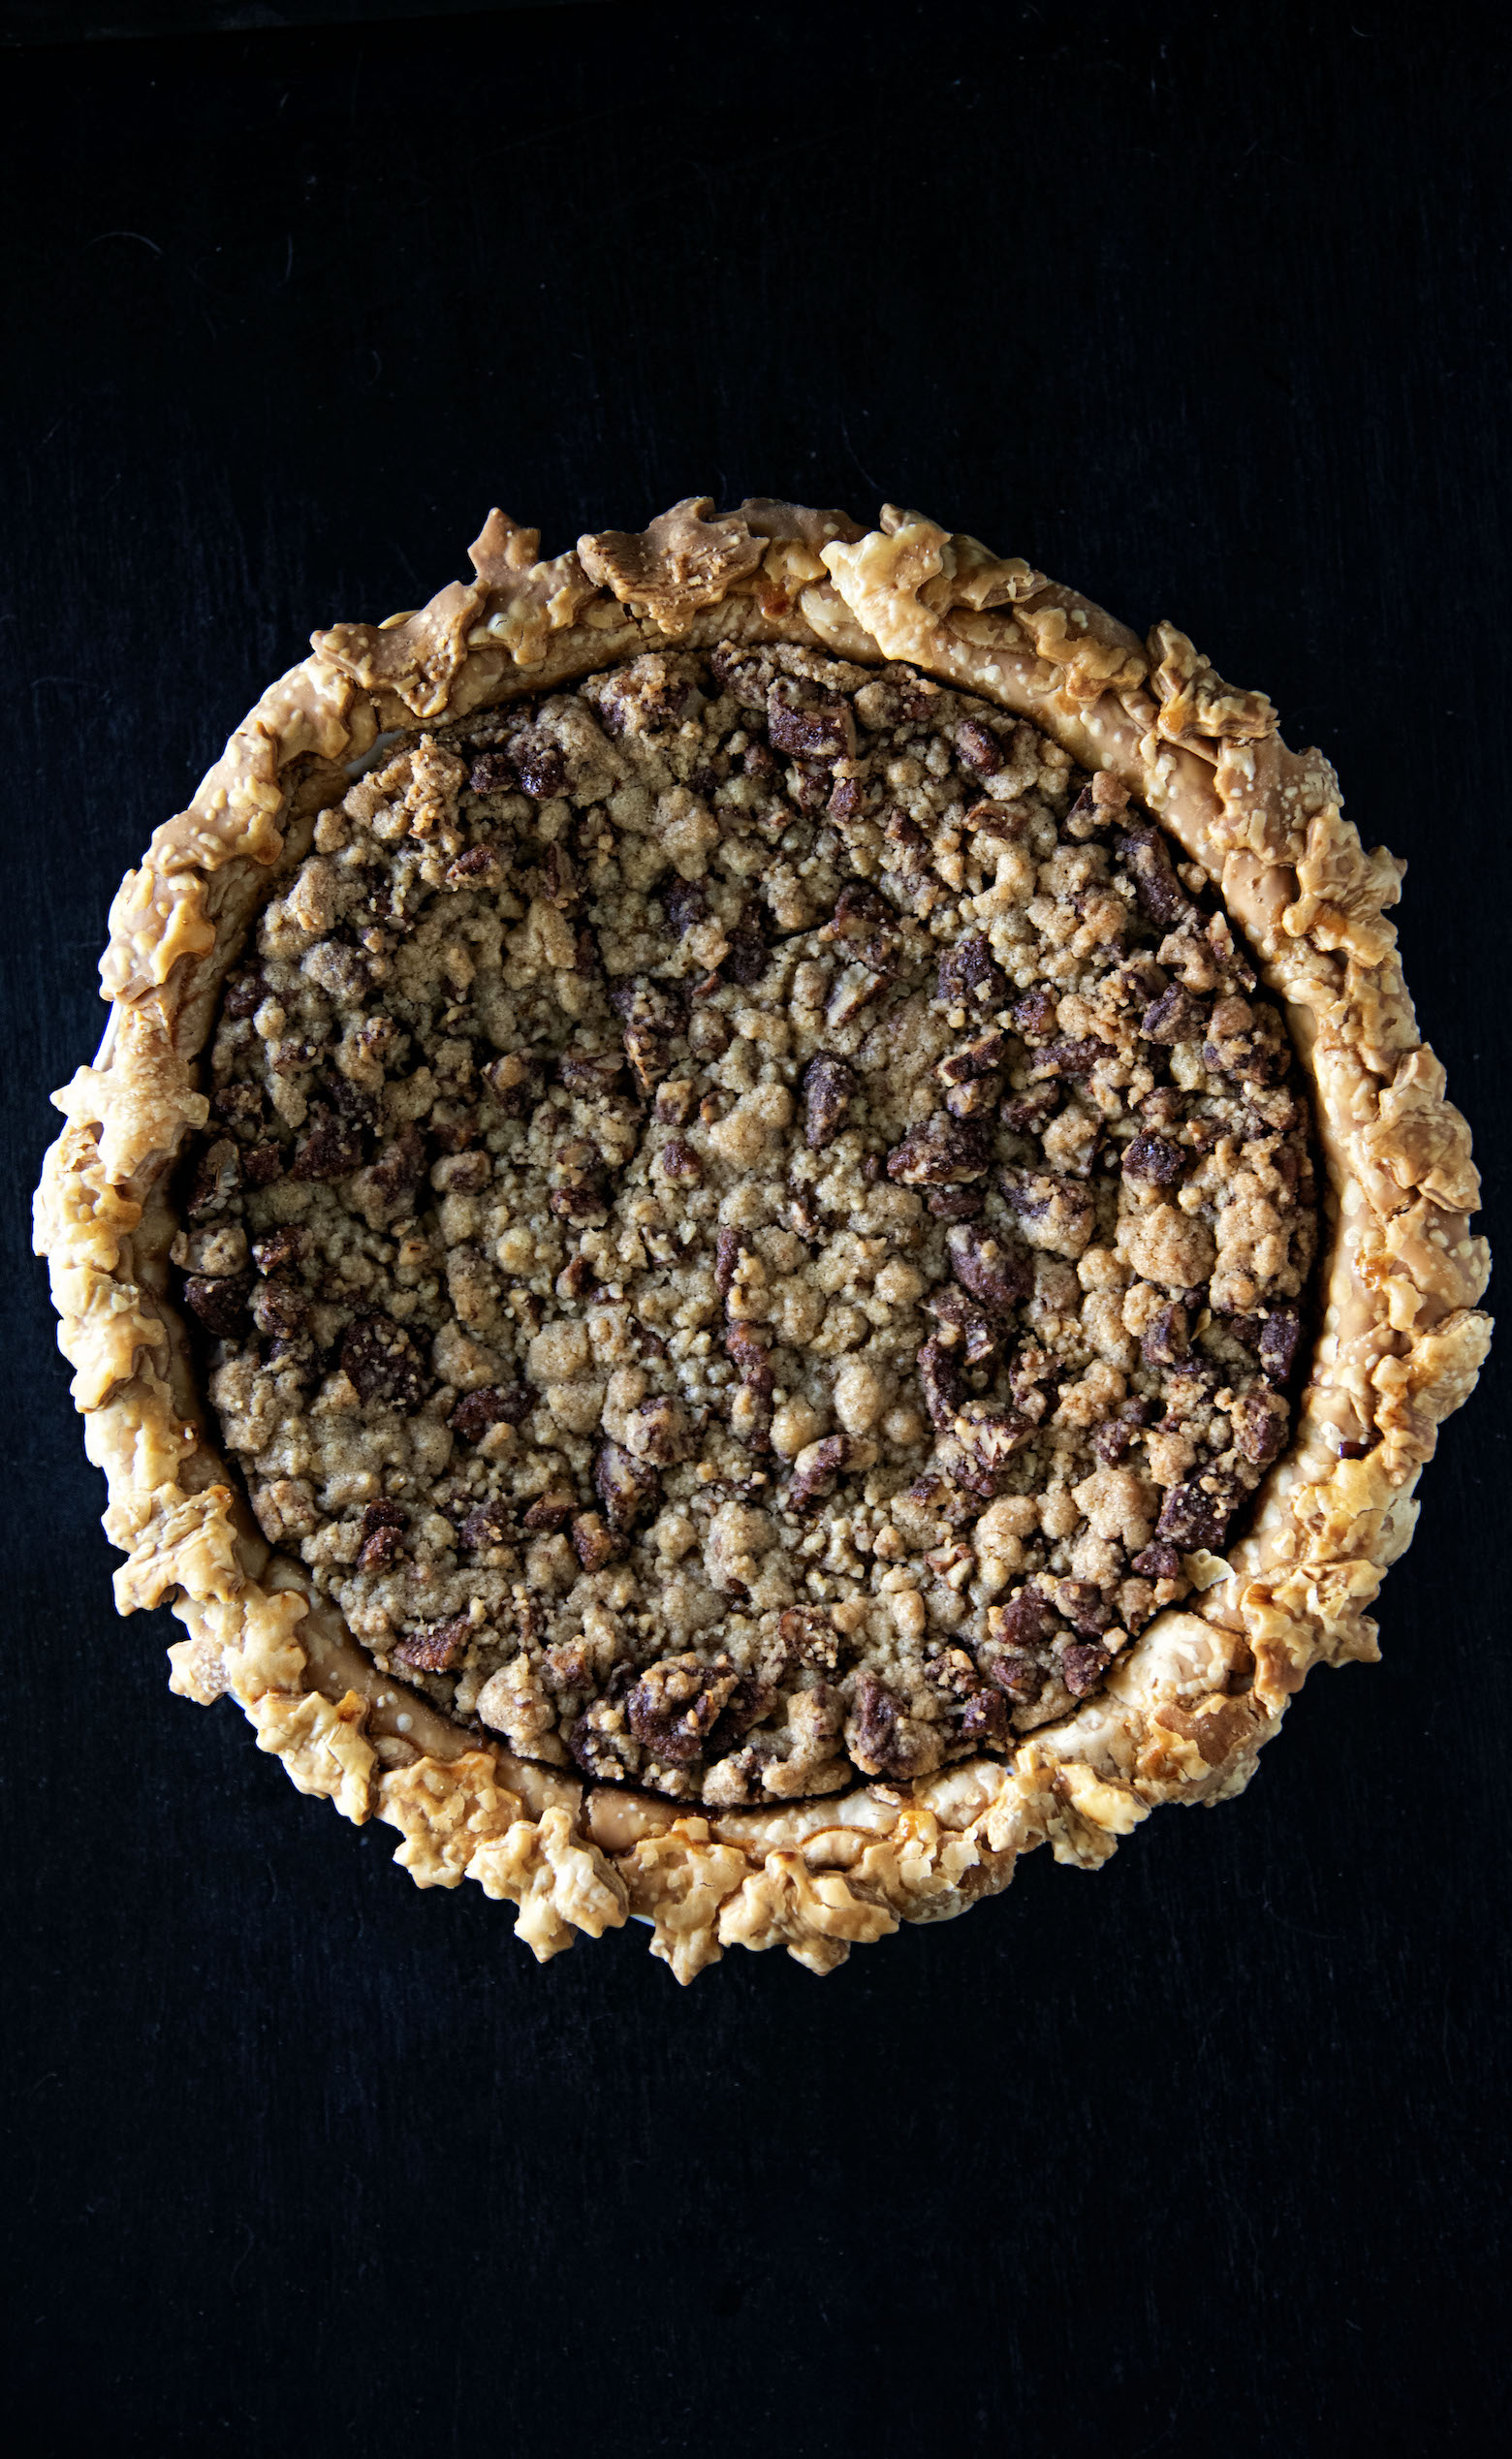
(762, 1222)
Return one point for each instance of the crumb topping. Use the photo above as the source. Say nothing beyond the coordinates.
(753, 1224)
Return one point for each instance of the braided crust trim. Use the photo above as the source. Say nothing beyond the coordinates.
(1186, 1708)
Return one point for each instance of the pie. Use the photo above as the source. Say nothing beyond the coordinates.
(762, 1222)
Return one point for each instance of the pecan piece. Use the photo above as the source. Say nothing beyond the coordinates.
(1033, 1375)
(978, 1335)
(287, 1245)
(238, 1105)
(1195, 1514)
(748, 1343)
(1021, 1677)
(592, 1073)
(955, 1203)
(1073, 1058)
(280, 1308)
(999, 1277)
(991, 1434)
(221, 1304)
(984, 1719)
(436, 1647)
(1082, 1665)
(684, 902)
(593, 1542)
(1034, 1015)
(650, 1017)
(970, 976)
(727, 1259)
(907, 839)
(575, 1278)
(487, 1525)
(809, 725)
(1243, 1043)
(675, 1702)
(581, 1199)
(624, 1484)
(217, 1180)
(551, 1510)
(1085, 1607)
(944, 1384)
(749, 1702)
(539, 767)
(332, 1149)
(1279, 1336)
(479, 867)
(380, 1363)
(1260, 1427)
(980, 748)
(829, 1089)
(514, 1081)
(680, 1163)
(862, 917)
(1164, 1340)
(383, 1536)
(1174, 1016)
(747, 956)
(1152, 1160)
(1160, 1562)
(649, 697)
(879, 1733)
(979, 1058)
(977, 1100)
(815, 1471)
(809, 1637)
(1142, 850)
(492, 771)
(740, 674)
(462, 1174)
(399, 1167)
(1024, 1622)
(296, 1357)
(490, 1405)
(956, 1503)
(244, 992)
(941, 1153)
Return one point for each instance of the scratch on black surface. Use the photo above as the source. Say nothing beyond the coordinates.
(140, 236)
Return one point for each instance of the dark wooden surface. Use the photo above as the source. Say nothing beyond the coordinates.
(1208, 311)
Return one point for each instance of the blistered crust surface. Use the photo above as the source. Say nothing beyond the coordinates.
(1181, 1715)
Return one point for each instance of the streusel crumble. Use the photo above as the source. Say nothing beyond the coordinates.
(753, 1223)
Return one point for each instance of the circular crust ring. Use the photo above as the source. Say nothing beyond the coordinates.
(1186, 1708)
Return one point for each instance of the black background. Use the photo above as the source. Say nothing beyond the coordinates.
(1206, 311)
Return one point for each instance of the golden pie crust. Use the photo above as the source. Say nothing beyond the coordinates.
(1188, 1703)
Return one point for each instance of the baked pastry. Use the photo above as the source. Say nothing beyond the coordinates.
(761, 1221)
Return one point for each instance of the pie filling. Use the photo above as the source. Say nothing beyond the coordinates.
(753, 1224)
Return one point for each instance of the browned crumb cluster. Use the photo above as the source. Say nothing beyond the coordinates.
(753, 1224)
